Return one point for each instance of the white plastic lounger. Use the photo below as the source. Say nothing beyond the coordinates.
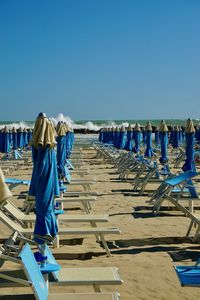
(24, 219)
(97, 231)
(85, 201)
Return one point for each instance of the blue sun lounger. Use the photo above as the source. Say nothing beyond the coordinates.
(13, 182)
(31, 275)
(175, 186)
(188, 275)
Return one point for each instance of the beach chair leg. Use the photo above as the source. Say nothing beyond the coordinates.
(56, 243)
(191, 205)
(105, 245)
(189, 228)
(197, 233)
(93, 224)
(96, 288)
(86, 208)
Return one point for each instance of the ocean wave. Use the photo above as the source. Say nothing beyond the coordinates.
(93, 125)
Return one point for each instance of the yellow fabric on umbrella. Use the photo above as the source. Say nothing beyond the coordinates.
(61, 131)
(43, 133)
(163, 126)
(148, 127)
(189, 126)
(4, 190)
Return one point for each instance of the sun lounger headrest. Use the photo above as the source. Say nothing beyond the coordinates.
(4, 190)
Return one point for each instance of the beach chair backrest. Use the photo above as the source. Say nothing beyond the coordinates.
(10, 223)
(51, 260)
(14, 211)
(17, 181)
(33, 273)
(181, 178)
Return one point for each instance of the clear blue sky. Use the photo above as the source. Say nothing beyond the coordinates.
(100, 59)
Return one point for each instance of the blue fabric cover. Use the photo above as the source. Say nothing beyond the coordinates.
(163, 144)
(129, 143)
(44, 186)
(20, 140)
(122, 139)
(61, 156)
(175, 140)
(69, 143)
(189, 162)
(137, 138)
(149, 151)
(5, 142)
(188, 275)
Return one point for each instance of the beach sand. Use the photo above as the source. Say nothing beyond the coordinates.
(144, 252)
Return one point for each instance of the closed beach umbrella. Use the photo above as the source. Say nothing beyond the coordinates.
(61, 151)
(144, 136)
(137, 138)
(156, 136)
(69, 140)
(44, 182)
(122, 138)
(112, 134)
(189, 164)
(171, 135)
(197, 134)
(14, 134)
(5, 140)
(101, 135)
(149, 151)
(175, 140)
(163, 142)
(116, 137)
(25, 136)
(129, 143)
(29, 135)
(20, 139)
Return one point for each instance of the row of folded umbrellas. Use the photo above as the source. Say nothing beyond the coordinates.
(21, 138)
(131, 139)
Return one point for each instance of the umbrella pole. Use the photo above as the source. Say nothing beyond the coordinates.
(42, 249)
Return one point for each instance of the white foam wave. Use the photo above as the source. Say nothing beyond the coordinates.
(72, 124)
(21, 124)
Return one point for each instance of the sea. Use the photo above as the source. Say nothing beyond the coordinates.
(94, 125)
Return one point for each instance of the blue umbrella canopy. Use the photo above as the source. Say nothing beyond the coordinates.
(129, 143)
(69, 141)
(44, 182)
(163, 142)
(61, 151)
(106, 135)
(101, 135)
(122, 138)
(137, 138)
(197, 134)
(171, 135)
(175, 139)
(116, 137)
(189, 164)
(25, 136)
(14, 134)
(144, 136)
(149, 150)
(29, 135)
(20, 138)
(110, 135)
(5, 141)
(156, 134)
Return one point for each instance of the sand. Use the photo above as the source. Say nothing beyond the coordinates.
(145, 251)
